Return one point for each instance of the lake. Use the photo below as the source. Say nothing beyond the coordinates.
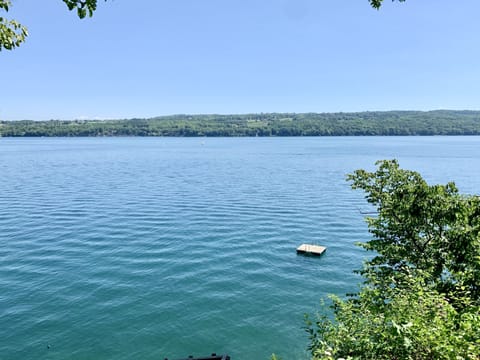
(146, 248)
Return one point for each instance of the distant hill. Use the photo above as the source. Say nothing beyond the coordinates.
(438, 122)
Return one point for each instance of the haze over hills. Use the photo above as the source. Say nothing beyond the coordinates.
(371, 123)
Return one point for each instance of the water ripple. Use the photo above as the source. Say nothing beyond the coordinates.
(147, 248)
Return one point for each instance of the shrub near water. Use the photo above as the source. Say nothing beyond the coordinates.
(421, 295)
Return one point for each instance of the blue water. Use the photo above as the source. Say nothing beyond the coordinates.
(146, 248)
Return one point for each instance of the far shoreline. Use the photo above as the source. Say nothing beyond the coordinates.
(380, 123)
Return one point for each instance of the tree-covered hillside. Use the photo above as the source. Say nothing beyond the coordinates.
(440, 122)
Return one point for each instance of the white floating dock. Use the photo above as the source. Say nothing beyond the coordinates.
(311, 249)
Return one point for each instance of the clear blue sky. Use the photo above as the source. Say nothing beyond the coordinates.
(145, 58)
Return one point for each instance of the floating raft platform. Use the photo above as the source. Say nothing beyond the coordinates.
(307, 249)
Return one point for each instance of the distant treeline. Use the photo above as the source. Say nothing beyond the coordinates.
(439, 122)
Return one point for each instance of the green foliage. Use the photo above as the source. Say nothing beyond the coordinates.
(273, 124)
(416, 322)
(376, 4)
(83, 7)
(432, 229)
(421, 297)
(12, 33)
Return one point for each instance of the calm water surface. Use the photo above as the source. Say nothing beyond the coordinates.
(146, 248)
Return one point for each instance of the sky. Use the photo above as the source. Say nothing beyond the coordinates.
(147, 58)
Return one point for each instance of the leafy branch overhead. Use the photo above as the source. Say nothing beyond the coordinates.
(84, 8)
(13, 34)
(376, 4)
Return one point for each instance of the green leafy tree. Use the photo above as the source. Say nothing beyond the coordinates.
(420, 227)
(420, 298)
(413, 322)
